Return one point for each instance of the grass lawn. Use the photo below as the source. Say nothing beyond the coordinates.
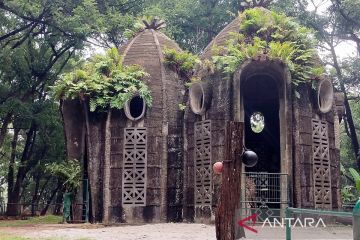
(5, 236)
(48, 219)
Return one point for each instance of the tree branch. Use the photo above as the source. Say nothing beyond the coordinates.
(14, 32)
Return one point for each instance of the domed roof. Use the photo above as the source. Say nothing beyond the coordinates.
(146, 47)
(146, 50)
(222, 37)
(225, 35)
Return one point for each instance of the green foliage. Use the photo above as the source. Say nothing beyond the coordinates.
(69, 172)
(254, 20)
(105, 82)
(350, 193)
(237, 53)
(356, 176)
(283, 51)
(182, 62)
(193, 24)
(275, 35)
(347, 194)
(347, 156)
(79, 21)
(131, 32)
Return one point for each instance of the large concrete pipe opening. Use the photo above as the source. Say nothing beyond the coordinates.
(325, 96)
(200, 97)
(135, 108)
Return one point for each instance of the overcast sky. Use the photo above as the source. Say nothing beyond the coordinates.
(344, 49)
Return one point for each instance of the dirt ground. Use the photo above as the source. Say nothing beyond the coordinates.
(168, 231)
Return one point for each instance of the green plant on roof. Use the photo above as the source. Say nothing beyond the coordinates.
(275, 35)
(184, 63)
(105, 82)
(151, 22)
(145, 22)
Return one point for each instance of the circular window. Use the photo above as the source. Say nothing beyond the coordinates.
(325, 96)
(135, 108)
(257, 122)
(197, 98)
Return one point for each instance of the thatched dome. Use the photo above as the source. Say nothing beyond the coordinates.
(222, 38)
(146, 50)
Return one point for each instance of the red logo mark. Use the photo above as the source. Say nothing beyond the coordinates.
(253, 218)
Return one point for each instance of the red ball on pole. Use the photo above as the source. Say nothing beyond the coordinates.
(218, 167)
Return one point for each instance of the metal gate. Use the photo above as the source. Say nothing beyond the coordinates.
(264, 194)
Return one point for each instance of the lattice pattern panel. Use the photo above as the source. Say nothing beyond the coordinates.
(203, 169)
(134, 167)
(321, 164)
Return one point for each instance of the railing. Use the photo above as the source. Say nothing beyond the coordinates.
(28, 209)
(354, 215)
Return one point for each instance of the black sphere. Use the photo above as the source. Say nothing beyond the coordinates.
(249, 158)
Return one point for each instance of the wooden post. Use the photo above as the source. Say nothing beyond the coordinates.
(226, 217)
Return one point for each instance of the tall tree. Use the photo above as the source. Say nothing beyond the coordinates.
(39, 39)
(335, 22)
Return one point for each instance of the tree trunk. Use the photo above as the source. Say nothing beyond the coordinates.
(107, 168)
(4, 128)
(42, 190)
(352, 130)
(13, 208)
(58, 203)
(11, 170)
(34, 206)
(349, 117)
(14, 196)
(75, 132)
(226, 218)
(48, 203)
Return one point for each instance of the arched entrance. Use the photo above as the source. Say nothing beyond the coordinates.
(262, 125)
(262, 93)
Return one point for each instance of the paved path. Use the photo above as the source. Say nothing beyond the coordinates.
(168, 231)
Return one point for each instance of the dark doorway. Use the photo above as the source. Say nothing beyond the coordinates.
(261, 98)
(262, 135)
(137, 107)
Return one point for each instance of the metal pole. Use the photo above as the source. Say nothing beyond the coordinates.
(356, 221)
(288, 226)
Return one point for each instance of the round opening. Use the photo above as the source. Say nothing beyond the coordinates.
(197, 99)
(325, 96)
(135, 108)
(257, 122)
